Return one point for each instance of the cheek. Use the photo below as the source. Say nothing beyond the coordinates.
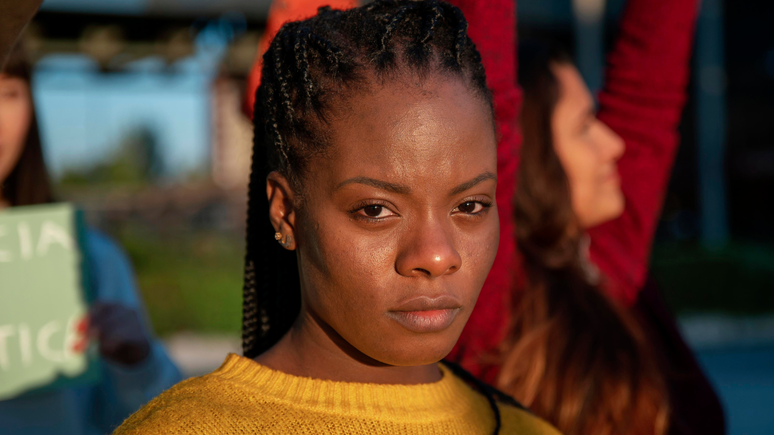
(581, 166)
(483, 248)
(15, 120)
(343, 269)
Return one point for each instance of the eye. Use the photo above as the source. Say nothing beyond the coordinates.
(9, 93)
(373, 212)
(473, 207)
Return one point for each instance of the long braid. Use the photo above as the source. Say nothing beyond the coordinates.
(310, 64)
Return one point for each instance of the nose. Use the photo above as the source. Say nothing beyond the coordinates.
(612, 144)
(429, 251)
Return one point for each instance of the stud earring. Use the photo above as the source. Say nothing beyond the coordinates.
(287, 239)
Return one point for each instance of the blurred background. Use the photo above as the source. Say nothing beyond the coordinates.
(140, 107)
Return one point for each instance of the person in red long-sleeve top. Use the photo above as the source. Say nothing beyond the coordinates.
(592, 348)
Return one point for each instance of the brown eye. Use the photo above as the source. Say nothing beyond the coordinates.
(373, 210)
(470, 207)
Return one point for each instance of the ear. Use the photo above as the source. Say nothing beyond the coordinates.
(281, 208)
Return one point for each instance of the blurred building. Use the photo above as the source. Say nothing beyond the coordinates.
(232, 136)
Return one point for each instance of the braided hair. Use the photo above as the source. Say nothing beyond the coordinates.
(309, 70)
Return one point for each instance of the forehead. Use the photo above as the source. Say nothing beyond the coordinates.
(574, 95)
(412, 132)
(11, 80)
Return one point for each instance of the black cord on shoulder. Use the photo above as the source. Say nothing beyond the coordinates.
(492, 394)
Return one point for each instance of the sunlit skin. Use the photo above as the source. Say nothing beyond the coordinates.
(588, 151)
(15, 120)
(395, 235)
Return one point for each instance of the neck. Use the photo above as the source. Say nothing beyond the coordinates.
(313, 349)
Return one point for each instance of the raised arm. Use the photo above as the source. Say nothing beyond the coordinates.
(642, 100)
(492, 26)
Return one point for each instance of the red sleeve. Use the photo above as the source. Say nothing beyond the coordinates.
(643, 99)
(492, 27)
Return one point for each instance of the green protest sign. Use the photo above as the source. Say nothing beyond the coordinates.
(43, 304)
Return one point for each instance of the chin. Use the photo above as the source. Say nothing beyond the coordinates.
(417, 351)
(617, 206)
(603, 212)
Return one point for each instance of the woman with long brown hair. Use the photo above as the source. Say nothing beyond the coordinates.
(574, 354)
(591, 347)
(582, 351)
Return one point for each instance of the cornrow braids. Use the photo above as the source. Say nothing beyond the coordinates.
(311, 66)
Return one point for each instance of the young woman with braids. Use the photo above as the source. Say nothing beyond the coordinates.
(592, 348)
(371, 228)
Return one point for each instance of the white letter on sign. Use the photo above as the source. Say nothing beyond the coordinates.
(53, 233)
(5, 332)
(25, 344)
(43, 338)
(25, 240)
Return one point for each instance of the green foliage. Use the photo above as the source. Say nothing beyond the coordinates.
(736, 279)
(189, 281)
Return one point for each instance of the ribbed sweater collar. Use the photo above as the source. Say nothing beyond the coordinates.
(449, 397)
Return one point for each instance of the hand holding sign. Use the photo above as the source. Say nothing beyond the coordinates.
(119, 333)
(43, 301)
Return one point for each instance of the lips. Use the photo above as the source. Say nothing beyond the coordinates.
(425, 314)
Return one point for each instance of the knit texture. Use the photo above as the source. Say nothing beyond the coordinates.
(244, 397)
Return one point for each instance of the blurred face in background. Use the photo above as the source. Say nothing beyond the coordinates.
(15, 119)
(588, 151)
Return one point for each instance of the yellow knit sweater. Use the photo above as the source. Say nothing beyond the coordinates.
(244, 397)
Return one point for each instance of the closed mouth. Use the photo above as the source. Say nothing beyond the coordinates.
(427, 314)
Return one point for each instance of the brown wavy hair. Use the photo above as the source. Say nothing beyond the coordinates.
(28, 182)
(573, 355)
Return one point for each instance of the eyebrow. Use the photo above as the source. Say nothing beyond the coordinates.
(470, 184)
(405, 190)
(383, 185)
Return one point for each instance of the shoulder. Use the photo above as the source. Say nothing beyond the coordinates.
(197, 405)
(522, 422)
(100, 247)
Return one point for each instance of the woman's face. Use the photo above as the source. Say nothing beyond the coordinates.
(15, 119)
(398, 227)
(588, 151)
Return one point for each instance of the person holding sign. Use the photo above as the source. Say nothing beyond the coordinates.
(134, 367)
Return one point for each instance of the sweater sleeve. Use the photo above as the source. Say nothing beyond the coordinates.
(124, 389)
(642, 101)
(492, 27)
